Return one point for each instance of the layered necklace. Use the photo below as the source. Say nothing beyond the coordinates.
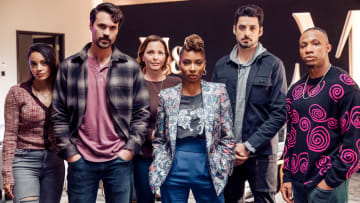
(316, 86)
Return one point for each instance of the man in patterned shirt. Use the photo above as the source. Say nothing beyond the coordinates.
(100, 112)
(323, 127)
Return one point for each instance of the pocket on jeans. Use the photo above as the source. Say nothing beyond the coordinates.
(320, 195)
(123, 160)
(321, 190)
(75, 163)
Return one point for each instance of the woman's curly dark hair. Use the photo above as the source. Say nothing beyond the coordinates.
(193, 43)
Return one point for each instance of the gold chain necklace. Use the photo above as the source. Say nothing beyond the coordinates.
(307, 79)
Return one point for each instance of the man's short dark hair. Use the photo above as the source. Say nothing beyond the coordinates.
(249, 10)
(317, 29)
(109, 8)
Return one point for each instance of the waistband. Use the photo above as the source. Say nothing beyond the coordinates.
(35, 150)
(190, 144)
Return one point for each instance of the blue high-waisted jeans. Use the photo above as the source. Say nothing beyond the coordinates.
(38, 173)
(189, 171)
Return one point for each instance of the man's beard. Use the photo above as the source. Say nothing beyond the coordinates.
(247, 45)
(101, 46)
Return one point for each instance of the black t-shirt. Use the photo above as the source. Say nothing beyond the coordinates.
(191, 117)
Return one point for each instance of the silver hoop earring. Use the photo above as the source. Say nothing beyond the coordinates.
(204, 72)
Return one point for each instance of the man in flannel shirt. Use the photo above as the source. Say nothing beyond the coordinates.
(100, 112)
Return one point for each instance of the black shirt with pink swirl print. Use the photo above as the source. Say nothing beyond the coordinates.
(323, 130)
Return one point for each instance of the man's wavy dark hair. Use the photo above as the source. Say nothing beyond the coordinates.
(109, 8)
(249, 10)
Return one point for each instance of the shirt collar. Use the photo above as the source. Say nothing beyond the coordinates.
(116, 55)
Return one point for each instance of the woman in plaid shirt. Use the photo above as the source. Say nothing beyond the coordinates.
(31, 169)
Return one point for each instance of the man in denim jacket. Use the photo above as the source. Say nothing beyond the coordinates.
(256, 82)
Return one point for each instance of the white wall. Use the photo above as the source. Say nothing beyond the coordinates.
(70, 17)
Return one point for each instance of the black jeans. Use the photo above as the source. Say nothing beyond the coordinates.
(261, 173)
(141, 180)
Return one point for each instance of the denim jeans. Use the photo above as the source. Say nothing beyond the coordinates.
(317, 195)
(141, 180)
(84, 176)
(261, 173)
(38, 174)
(189, 171)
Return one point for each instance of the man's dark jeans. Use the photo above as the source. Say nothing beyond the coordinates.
(84, 176)
(261, 173)
(141, 180)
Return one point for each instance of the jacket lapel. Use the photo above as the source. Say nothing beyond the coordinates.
(208, 111)
(174, 105)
